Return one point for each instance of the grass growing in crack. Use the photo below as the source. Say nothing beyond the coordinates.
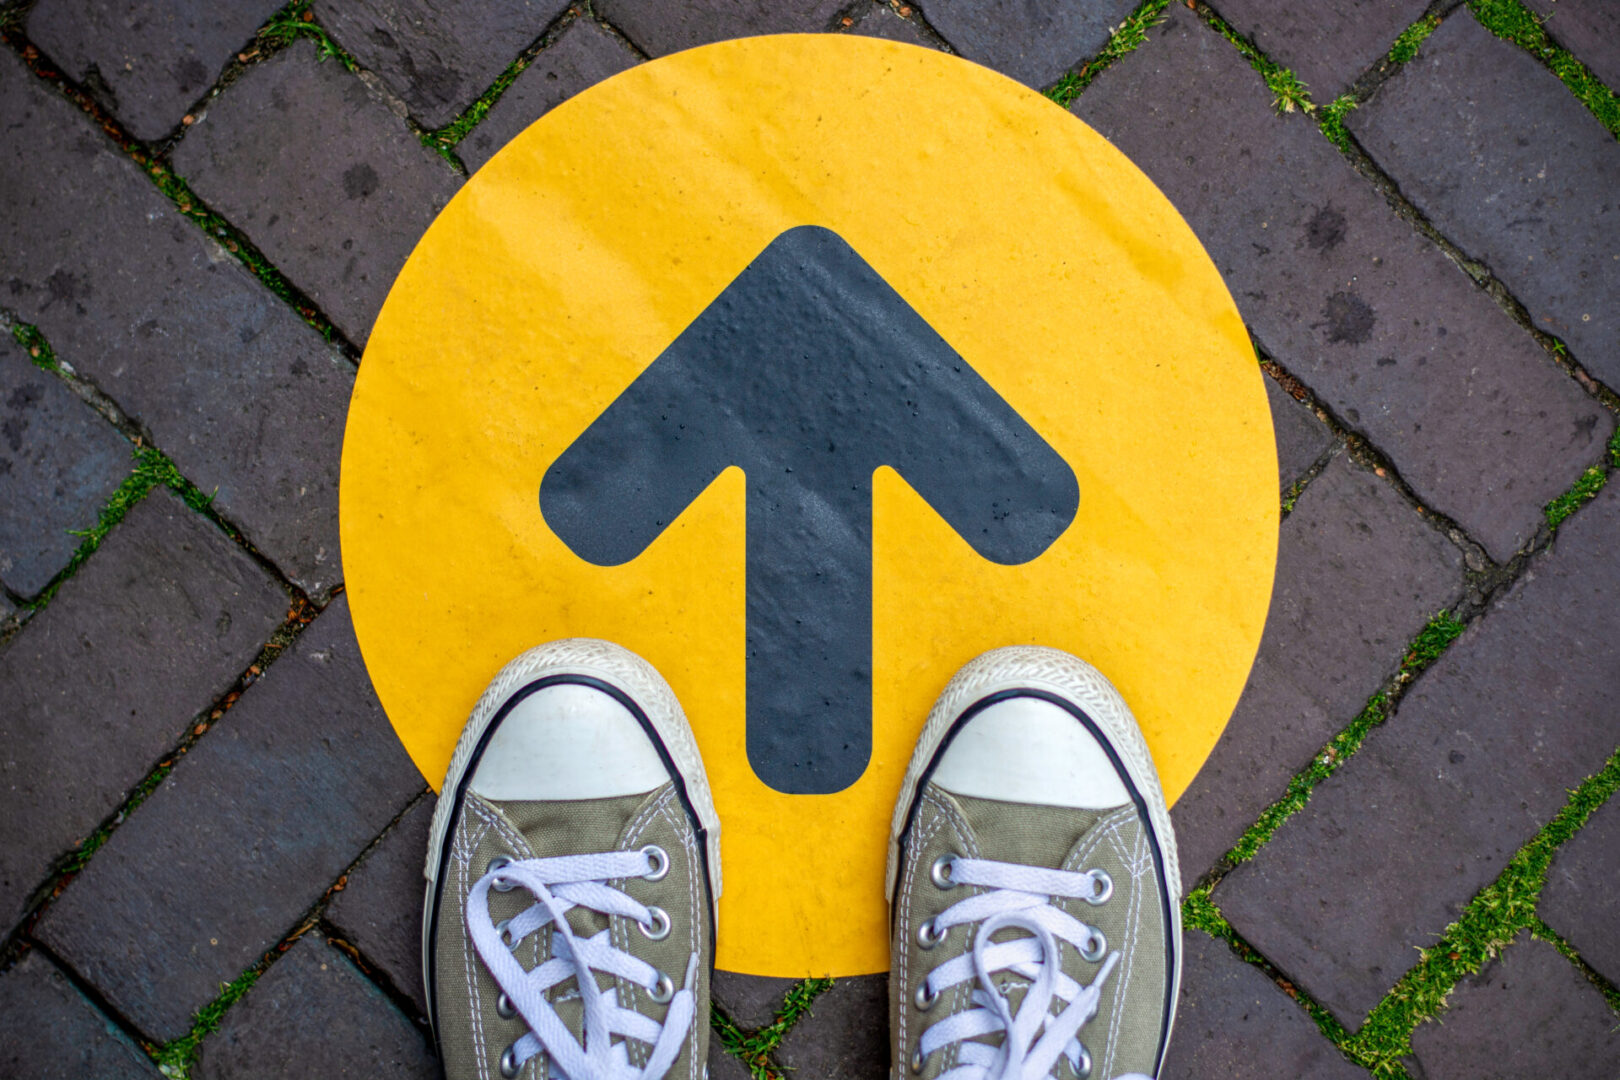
(152, 468)
(39, 350)
(1332, 120)
(1288, 93)
(1130, 34)
(1584, 489)
(295, 21)
(1430, 642)
(175, 1059)
(1412, 38)
(92, 843)
(1492, 919)
(1512, 21)
(444, 140)
(755, 1050)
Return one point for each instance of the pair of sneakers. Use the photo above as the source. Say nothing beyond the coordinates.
(573, 870)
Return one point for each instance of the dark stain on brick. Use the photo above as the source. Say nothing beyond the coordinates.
(190, 74)
(27, 396)
(1349, 319)
(359, 181)
(1325, 231)
(65, 287)
(12, 428)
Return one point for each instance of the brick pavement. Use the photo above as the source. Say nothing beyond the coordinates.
(201, 790)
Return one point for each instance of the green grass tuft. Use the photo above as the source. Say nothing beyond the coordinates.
(1129, 35)
(175, 1059)
(151, 469)
(1512, 21)
(444, 140)
(1288, 93)
(295, 21)
(1590, 483)
(39, 350)
(1332, 120)
(1406, 46)
(1430, 642)
(755, 1050)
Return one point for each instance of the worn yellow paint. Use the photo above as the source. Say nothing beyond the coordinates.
(1038, 251)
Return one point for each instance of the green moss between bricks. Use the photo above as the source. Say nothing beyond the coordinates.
(1288, 93)
(1584, 489)
(754, 1050)
(1406, 46)
(175, 1059)
(295, 21)
(1512, 21)
(39, 350)
(1131, 33)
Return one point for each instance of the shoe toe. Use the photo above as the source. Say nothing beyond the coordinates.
(1030, 750)
(568, 741)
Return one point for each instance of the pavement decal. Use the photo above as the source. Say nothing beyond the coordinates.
(810, 367)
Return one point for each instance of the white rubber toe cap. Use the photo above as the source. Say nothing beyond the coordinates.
(1028, 750)
(568, 742)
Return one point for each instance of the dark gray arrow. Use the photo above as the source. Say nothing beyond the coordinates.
(809, 372)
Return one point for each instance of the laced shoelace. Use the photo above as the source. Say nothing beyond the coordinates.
(1034, 1038)
(558, 885)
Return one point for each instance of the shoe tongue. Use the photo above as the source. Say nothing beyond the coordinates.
(1026, 834)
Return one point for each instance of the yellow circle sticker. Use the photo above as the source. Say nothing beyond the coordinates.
(809, 368)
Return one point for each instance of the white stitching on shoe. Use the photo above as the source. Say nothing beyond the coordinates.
(480, 1047)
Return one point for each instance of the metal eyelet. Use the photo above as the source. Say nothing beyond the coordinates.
(940, 872)
(929, 935)
(1105, 888)
(509, 1062)
(660, 860)
(496, 865)
(923, 999)
(1083, 1069)
(504, 928)
(1096, 946)
(917, 1059)
(659, 929)
(662, 990)
(504, 1007)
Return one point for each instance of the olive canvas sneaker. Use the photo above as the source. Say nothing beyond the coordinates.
(1032, 881)
(573, 868)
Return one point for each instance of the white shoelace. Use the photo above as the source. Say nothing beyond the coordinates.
(1034, 1039)
(558, 885)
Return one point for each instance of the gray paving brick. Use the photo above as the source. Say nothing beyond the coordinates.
(1327, 45)
(582, 55)
(1033, 43)
(1504, 160)
(751, 1000)
(882, 21)
(1580, 899)
(1233, 1022)
(846, 1033)
(1529, 1012)
(379, 911)
(148, 61)
(50, 1031)
(314, 168)
(658, 27)
(59, 462)
(7, 608)
(313, 1014)
(437, 55)
(1477, 758)
(1588, 28)
(1358, 575)
(1301, 437)
(1390, 335)
(722, 1066)
(249, 829)
(154, 628)
(247, 400)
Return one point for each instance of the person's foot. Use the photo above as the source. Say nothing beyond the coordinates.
(575, 832)
(1032, 882)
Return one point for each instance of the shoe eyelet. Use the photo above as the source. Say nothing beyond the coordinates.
(658, 930)
(504, 1007)
(509, 1062)
(496, 865)
(1105, 888)
(660, 860)
(504, 928)
(1096, 946)
(1083, 1069)
(918, 1060)
(929, 935)
(940, 872)
(662, 990)
(923, 999)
